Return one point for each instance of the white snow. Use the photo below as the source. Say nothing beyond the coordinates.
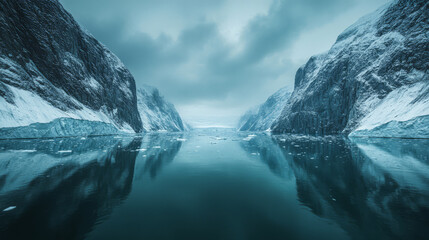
(155, 112)
(31, 108)
(93, 84)
(399, 105)
(262, 117)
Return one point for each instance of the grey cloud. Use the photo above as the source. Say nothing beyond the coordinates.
(199, 64)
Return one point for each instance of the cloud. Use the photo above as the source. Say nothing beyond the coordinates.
(187, 50)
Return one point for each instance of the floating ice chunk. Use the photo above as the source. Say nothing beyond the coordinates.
(220, 138)
(248, 138)
(156, 147)
(9, 208)
(65, 151)
(181, 139)
(25, 150)
(141, 149)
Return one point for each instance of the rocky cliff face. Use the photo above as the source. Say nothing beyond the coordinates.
(262, 117)
(51, 68)
(156, 113)
(376, 73)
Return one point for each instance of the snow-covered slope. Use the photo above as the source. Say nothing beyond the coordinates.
(402, 113)
(262, 117)
(375, 76)
(156, 113)
(50, 68)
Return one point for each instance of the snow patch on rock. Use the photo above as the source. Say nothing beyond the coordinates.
(402, 104)
(29, 108)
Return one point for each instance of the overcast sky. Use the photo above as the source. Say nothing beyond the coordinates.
(216, 59)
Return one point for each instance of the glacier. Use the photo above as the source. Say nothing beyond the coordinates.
(60, 127)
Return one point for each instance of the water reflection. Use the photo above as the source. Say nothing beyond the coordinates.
(374, 189)
(58, 193)
(157, 150)
(214, 184)
(62, 188)
(270, 153)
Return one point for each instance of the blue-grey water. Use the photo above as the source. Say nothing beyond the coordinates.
(214, 184)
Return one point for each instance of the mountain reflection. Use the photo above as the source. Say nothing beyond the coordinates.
(158, 150)
(62, 188)
(373, 189)
(270, 153)
(66, 188)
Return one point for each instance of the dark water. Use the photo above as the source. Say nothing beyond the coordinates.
(218, 184)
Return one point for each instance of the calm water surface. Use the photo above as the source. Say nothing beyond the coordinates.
(214, 184)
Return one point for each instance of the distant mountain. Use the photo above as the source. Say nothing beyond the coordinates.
(262, 117)
(156, 113)
(373, 81)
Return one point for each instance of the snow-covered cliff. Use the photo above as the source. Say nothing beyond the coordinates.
(51, 68)
(57, 80)
(262, 117)
(375, 77)
(156, 113)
